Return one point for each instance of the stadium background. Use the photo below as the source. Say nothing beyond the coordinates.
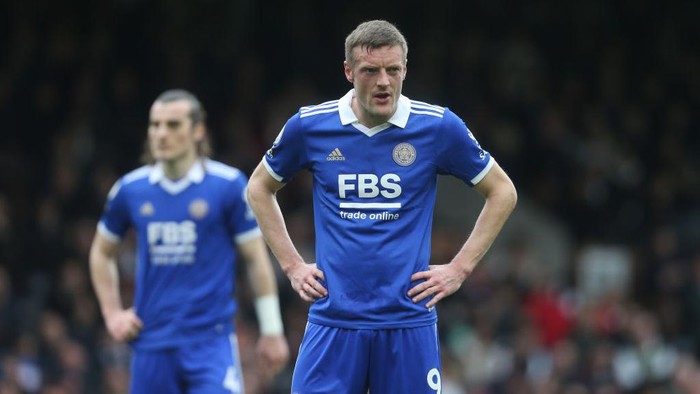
(591, 106)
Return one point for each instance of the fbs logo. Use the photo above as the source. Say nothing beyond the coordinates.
(335, 155)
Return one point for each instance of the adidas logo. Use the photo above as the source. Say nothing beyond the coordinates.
(335, 155)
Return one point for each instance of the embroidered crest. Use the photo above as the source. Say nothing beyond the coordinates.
(199, 208)
(404, 154)
(147, 209)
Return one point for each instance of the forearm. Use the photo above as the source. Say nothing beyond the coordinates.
(261, 274)
(105, 280)
(499, 204)
(304, 278)
(271, 222)
(261, 277)
(485, 231)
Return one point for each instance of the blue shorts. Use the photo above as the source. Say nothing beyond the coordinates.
(345, 361)
(207, 367)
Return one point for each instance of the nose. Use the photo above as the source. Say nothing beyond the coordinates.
(383, 79)
(158, 131)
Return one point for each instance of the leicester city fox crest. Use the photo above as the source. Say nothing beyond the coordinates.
(147, 209)
(404, 154)
(199, 208)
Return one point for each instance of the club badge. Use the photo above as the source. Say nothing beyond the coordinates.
(147, 209)
(199, 208)
(404, 154)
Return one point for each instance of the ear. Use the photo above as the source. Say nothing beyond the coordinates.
(348, 72)
(199, 132)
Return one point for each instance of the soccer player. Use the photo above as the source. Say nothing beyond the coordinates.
(374, 155)
(191, 220)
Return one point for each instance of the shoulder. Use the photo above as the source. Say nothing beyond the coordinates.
(139, 174)
(427, 114)
(327, 107)
(312, 117)
(422, 108)
(135, 177)
(222, 171)
(130, 180)
(322, 115)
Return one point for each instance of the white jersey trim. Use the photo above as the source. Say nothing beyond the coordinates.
(194, 175)
(139, 173)
(271, 171)
(370, 132)
(247, 235)
(328, 106)
(424, 105)
(483, 172)
(221, 170)
(347, 116)
(311, 108)
(430, 113)
(104, 231)
(370, 205)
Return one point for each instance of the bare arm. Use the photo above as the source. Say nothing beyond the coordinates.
(261, 275)
(442, 280)
(501, 197)
(122, 324)
(262, 197)
(272, 345)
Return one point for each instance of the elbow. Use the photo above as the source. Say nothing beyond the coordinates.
(261, 187)
(252, 192)
(255, 195)
(508, 197)
(513, 200)
(249, 195)
(512, 197)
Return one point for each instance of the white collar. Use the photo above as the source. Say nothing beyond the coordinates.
(194, 175)
(347, 116)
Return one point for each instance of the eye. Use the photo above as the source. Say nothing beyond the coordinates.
(370, 70)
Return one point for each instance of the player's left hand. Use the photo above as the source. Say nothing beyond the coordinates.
(439, 282)
(273, 354)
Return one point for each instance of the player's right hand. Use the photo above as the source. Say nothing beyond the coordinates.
(273, 354)
(304, 279)
(124, 325)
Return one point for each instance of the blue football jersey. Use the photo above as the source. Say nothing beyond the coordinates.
(186, 234)
(374, 195)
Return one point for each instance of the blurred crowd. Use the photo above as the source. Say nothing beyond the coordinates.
(592, 108)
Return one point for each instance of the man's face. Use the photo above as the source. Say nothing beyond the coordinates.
(171, 134)
(377, 76)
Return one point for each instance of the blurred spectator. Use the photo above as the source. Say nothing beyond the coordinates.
(644, 359)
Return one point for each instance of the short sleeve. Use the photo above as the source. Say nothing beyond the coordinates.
(459, 152)
(241, 218)
(115, 220)
(288, 155)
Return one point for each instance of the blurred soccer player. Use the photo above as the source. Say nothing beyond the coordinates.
(191, 218)
(375, 155)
